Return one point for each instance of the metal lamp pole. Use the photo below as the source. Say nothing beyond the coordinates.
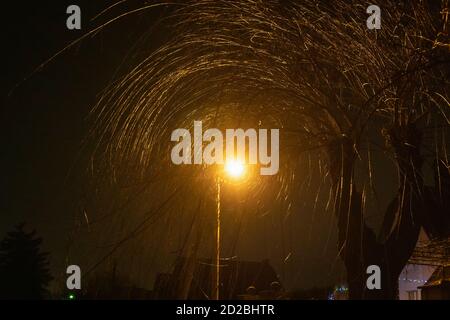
(216, 282)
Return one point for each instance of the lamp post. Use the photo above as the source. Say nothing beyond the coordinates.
(217, 262)
(235, 170)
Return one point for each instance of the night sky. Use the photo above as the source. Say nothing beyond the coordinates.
(45, 157)
(44, 111)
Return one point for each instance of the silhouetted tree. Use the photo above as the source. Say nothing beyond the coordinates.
(336, 88)
(24, 272)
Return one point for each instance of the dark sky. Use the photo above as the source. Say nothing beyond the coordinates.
(44, 124)
(44, 112)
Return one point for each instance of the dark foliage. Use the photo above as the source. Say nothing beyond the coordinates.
(24, 271)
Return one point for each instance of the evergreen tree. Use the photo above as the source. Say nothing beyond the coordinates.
(24, 269)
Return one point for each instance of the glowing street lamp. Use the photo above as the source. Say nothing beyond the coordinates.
(234, 169)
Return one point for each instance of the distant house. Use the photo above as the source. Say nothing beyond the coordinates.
(438, 286)
(239, 280)
(427, 274)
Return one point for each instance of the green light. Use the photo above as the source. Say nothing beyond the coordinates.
(71, 296)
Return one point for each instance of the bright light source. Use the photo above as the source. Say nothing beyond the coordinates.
(234, 168)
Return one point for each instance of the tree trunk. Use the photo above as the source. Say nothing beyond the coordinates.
(357, 244)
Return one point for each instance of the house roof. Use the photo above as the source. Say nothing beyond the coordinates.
(439, 277)
(236, 277)
(431, 252)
